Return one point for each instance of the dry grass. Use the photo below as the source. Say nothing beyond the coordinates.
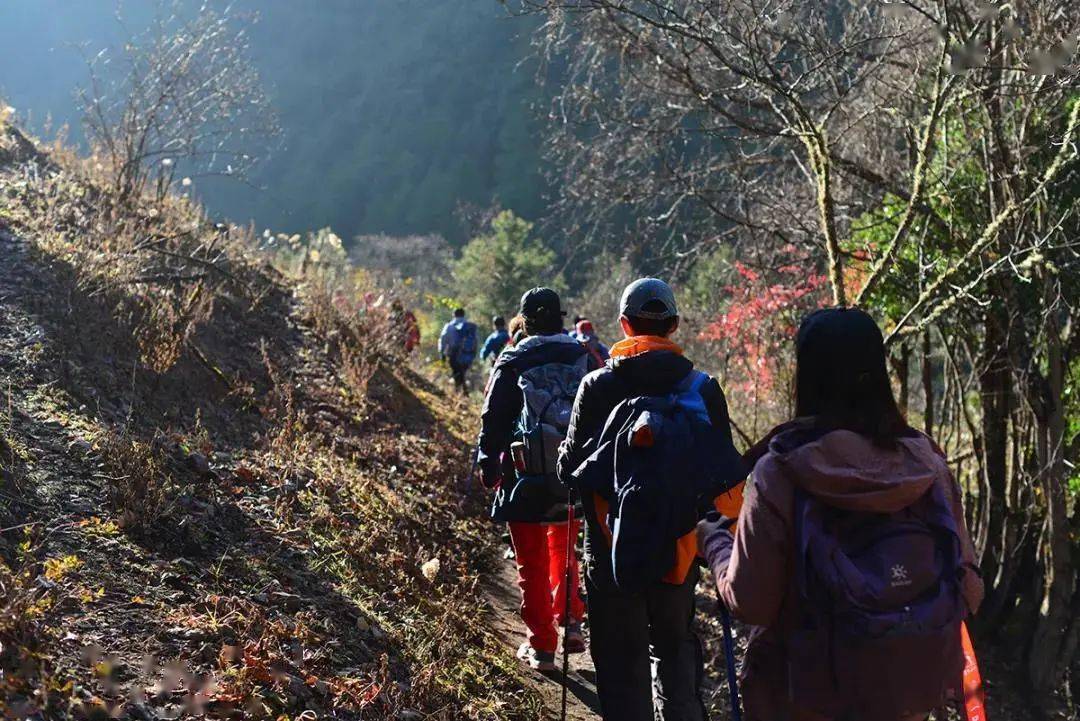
(29, 591)
(159, 264)
(140, 489)
(372, 515)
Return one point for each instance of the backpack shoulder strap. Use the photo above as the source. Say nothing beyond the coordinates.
(693, 382)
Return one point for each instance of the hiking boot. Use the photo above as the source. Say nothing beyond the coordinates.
(534, 659)
(574, 639)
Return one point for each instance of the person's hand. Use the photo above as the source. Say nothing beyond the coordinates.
(490, 477)
(714, 523)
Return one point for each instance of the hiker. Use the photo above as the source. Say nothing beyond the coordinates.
(585, 334)
(525, 413)
(495, 342)
(457, 346)
(850, 479)
(574, 331)
(647, 656)
(516, 329)
(405, 326)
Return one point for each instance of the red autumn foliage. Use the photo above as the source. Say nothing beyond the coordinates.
(760, 320)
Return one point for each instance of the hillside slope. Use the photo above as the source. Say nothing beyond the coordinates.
(219, 489)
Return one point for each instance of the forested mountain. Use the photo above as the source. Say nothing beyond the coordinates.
(393, 111)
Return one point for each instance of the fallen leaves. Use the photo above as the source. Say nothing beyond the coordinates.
(56, 569)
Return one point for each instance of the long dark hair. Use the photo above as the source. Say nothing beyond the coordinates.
(841, 378)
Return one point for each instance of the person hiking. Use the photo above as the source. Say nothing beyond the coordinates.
(528, 404)
(585, 334)
(851, 556)
(405, 326)
(647, 656)
(575, 333)
(495, 342)
(516, 329)
(457, 347)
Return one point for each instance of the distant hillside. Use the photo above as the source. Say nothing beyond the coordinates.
(394, 111)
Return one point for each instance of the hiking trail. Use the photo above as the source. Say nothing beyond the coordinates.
(505, 599)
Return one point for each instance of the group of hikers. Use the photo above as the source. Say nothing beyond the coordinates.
(846, 551)
(458, 343)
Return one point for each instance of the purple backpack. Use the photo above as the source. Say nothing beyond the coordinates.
(878, 631)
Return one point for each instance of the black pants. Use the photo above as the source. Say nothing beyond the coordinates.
(648, 660)
(460, 372)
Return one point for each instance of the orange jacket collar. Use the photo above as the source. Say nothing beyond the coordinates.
(638, 344)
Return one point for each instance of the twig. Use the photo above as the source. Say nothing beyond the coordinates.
(168, 278)
(21, 525)
(745, 438)
(210, 366)
(925, 150)
(204, 263)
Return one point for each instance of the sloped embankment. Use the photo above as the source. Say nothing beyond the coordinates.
(220, 490)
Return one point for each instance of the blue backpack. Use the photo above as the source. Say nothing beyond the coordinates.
(465, 348)
(667, 470)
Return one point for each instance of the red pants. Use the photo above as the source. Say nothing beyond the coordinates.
(540, 549)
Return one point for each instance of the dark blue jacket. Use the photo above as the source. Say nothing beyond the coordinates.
(494, 344)
(516, 500)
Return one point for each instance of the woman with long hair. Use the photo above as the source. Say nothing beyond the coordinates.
(850, 556)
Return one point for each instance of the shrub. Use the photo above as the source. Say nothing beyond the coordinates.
(496, 268)
(190, 96)
(138, 480)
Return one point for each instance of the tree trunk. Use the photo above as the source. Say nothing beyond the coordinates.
(901, 365)
(994, 387)
(1019, 544)
(1046, 665)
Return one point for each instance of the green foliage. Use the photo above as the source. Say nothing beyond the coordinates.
(958, 202)
(705, 287)
(497, 267)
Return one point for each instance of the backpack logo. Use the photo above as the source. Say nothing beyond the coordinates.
(900, 576)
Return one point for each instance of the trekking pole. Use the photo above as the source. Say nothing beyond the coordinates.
(729, 652)
(570, 540)
(471, 481)
(464, 485)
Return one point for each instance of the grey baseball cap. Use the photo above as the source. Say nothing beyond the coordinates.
(644, 291)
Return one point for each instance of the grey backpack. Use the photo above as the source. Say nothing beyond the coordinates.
(549, 391)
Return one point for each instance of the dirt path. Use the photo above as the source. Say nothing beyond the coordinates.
(505, 599)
